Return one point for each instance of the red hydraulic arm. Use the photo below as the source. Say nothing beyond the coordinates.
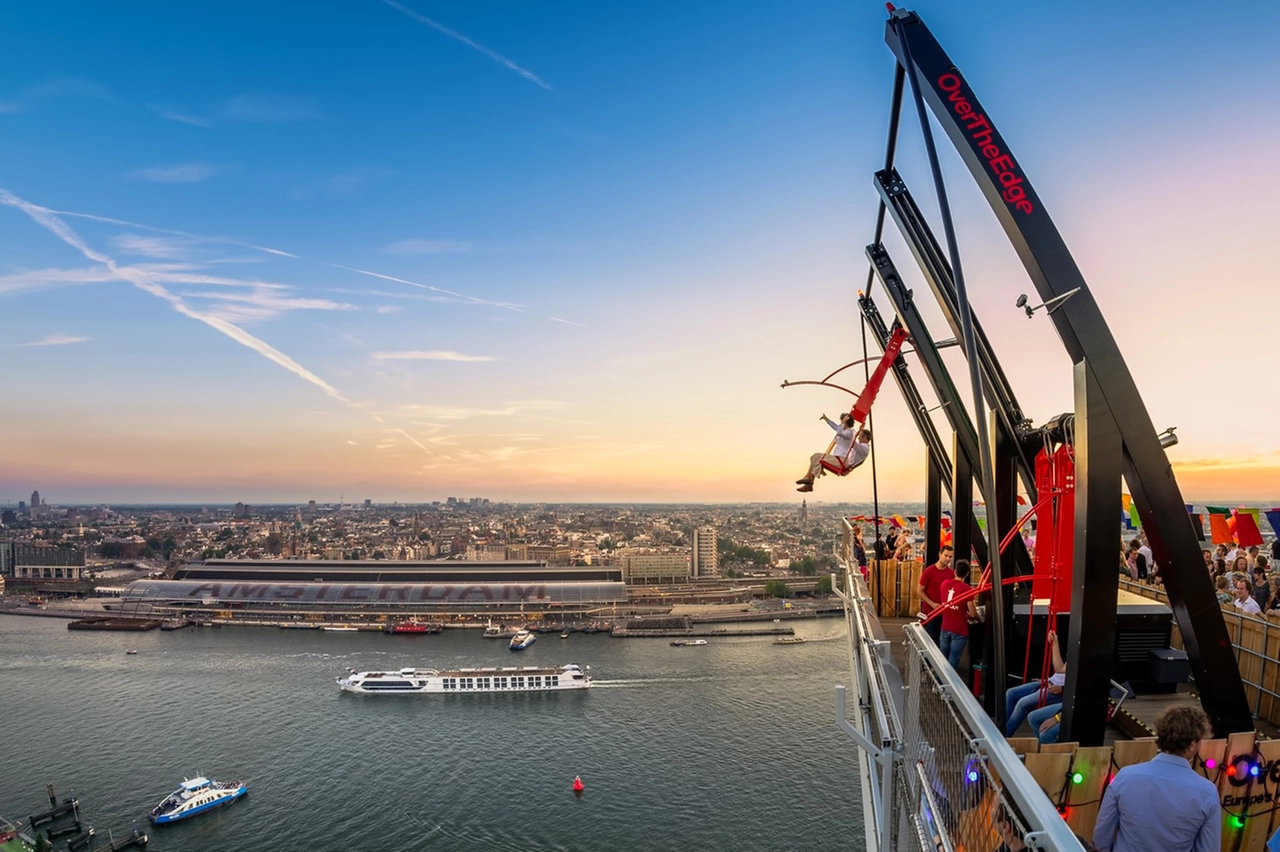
(862, 408)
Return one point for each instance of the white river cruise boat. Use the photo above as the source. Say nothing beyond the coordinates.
(509, 679)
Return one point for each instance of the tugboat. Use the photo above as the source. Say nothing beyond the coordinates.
(494, 631)
(195, 796)
(523, 640)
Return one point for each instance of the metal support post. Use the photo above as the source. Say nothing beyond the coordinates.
(933, 262)
(932, 508)
(962, 518)
(1095, 580)
(1006, 455)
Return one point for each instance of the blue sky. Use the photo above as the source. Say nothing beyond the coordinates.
(408, 250)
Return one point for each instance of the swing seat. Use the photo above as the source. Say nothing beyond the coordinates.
(839, 468)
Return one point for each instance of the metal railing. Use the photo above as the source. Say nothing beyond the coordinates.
(936, 772)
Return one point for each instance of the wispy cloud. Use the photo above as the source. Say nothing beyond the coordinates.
(44, 279)
(181, 117)
(389, 309)
(567, 322)
(445, 412)
(57, 88)
(430, 355)
(146, 282)
(461, 297)
(475, 300)
(160, 247)
(1251, 460)
(496, 57)
(271, 108)
(340, 185)
(261, 304)
(411, 247)
(47, 340)
(180, 173)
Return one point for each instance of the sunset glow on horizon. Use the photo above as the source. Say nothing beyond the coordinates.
(412, 251)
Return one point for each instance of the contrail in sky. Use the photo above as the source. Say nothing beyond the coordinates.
(496, 57)
(45, 217)
(475, 300)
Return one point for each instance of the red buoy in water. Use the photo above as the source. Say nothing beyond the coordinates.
(578, 786)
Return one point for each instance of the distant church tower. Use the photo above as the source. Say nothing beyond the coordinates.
(804, 511)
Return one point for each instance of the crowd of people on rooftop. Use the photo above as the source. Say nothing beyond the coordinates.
(1245, 577)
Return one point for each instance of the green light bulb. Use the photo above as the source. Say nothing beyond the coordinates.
(1077, 778)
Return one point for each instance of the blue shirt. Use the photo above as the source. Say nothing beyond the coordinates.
(1163, 806)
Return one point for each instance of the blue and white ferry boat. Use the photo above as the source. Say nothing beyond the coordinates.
(523, 640)
(195, 796)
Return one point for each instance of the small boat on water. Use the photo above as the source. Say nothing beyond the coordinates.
(494, 631)
(131, 651)
(523, 640)
(789, 640)
(195, 796)
(564, 634)
(509, 679)
(687, 643)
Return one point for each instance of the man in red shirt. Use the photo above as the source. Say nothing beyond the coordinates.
(931, 580)
(956, 616)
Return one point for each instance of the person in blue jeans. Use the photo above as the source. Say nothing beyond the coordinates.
(1020, 700)
(1046, 722)
(956, 616)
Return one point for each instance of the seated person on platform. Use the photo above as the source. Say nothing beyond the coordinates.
(1047, 722)
(1008, 831)
(1022, 699)
(846, 454)
(1163, 803)
(1244, 601)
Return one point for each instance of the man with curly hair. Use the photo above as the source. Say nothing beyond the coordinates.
(1163, 804)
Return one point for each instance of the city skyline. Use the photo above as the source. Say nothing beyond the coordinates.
(409, 250)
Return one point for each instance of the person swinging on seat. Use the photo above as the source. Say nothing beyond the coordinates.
(845, 453)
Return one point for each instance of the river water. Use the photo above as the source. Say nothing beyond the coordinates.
(730, 746)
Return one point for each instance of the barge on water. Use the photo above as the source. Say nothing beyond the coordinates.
(114, 622)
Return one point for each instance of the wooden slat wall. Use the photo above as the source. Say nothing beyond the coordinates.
(895, 586)
(1084, 799)
(1246, 824)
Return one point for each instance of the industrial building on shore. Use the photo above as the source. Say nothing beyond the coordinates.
(372, 589)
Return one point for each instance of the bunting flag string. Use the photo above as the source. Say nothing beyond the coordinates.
(1247, 532)
(1273, 518)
